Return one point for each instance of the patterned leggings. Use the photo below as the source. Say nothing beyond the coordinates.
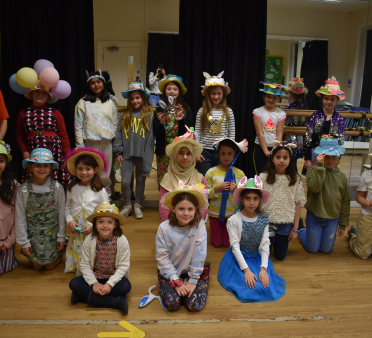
(194, 303)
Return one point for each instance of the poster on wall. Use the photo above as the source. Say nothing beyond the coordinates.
(274, 68)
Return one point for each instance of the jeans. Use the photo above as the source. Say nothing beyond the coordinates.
(279, 234)
(320, 233)
(211, 160)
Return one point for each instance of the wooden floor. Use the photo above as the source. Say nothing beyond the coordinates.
(327, 296)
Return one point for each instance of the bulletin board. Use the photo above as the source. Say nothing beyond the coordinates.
(274, 68)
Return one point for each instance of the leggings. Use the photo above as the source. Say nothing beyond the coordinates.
(260, 159)
(127, 168)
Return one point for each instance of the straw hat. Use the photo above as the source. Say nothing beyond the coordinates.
(332, 87)
(190, 138)
(106, 210)
(251, 183)
(5, 150)
(215, 81)
(172, 78)
(77, 152)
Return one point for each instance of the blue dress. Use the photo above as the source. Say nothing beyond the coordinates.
(231, 276)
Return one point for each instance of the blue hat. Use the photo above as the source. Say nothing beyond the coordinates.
(272, 88)
(136, 85)
(329, 146)
(40, 155)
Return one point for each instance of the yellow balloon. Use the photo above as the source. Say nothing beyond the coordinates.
(26, 77)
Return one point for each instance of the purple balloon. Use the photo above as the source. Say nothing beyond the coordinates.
(40, 65)
(61, 90)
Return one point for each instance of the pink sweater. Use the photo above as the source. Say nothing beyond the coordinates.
(165, 212)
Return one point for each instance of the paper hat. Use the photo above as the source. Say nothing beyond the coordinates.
(272, 88)
(251, 183)
(39, 86)
(172, 78)
(332, 87)
(297, 86)
(190, 138)
(5, 150)
(106, 210)
(243, 145)
(40, 155)
(90, 77)
(77, 152)
(211, 81)
(136, 85)
(329, 146)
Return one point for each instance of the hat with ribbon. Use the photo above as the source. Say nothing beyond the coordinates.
(172, 78)
(329, 145)
(136, 85)
(331, 87)
(5, 150)
(297, 86)
(40, 155)
(215, 81)
(106, 210)
(190, 137)
(272, 88)
(251, 183)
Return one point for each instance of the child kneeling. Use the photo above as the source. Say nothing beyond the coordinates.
(104, 263)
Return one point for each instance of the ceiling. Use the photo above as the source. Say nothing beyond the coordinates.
(345, 6)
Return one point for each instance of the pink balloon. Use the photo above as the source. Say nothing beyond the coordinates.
(49, 77)
(41, 64)
(61, 90)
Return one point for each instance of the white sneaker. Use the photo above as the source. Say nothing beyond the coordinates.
(138, 212)
(126, 211)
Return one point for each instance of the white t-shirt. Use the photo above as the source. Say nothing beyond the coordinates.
(269, 122)
(365, 184)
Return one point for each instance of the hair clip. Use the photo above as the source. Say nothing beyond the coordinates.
(285, 144)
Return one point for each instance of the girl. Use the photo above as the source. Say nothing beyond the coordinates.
(214, 120)
(134, 145)
(328, 203)
(361, 235)
(296, 92)
(104, 263)
(83, 195)
(39, 221)
(181, 249)
(324, 121)
(167, 126)
(41, 126)
(269, 124)
(250, 249)
(182, 153)
(96, 119)
(287, 192)
(8, 191)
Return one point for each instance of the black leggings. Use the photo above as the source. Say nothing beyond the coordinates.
(280, 245)
(260, 159)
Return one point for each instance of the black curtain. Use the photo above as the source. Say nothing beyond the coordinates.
(365, 99)
(218, 35)
(61, 32)
(162, 48)
(314, 70)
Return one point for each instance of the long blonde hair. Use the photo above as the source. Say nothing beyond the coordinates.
(207, 108)
(146, 112)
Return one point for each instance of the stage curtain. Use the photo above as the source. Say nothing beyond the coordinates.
(365, 100)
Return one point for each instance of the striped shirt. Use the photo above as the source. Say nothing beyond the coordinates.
(214, 176)
(207, 139)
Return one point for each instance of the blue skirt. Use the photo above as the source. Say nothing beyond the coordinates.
(232, 279)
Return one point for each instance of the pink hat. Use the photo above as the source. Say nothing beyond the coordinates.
(39, 86)
(251, 183)
(332, 87)
(214, 81)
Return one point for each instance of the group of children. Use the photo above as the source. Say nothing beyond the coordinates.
(196, 177)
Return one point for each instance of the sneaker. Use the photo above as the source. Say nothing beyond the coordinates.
(116, 195)
(352, 231)
(126, 211)
(138, 212)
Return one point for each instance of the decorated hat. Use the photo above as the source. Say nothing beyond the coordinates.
(251, 183)
(172, 78)
(72, 156)
(98, 76)
(242, 145)
(198, 190)
(106, 210)
(5, 150)
(136, 85)
(332, 87)
(285, 144)
(368, 165)
(297, 86)
(211, 81)
(272, 88)
(329, 146)
(190, 138)
(39, 86)
(40, 155)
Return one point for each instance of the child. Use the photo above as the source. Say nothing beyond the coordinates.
(361, 235)
(182, 153)
(328, 200)
(8, 191)
(104, 263)
(39, 223)
(3, 117)
(222, 180)
(269, 124)
(181, 249)
(214, 120)
(296, 92)
(250, 249)
(168, 126)
(134, 145)
(287, 192)
(96, 119)
(83, 195)
(324, 121)
(41, 126)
